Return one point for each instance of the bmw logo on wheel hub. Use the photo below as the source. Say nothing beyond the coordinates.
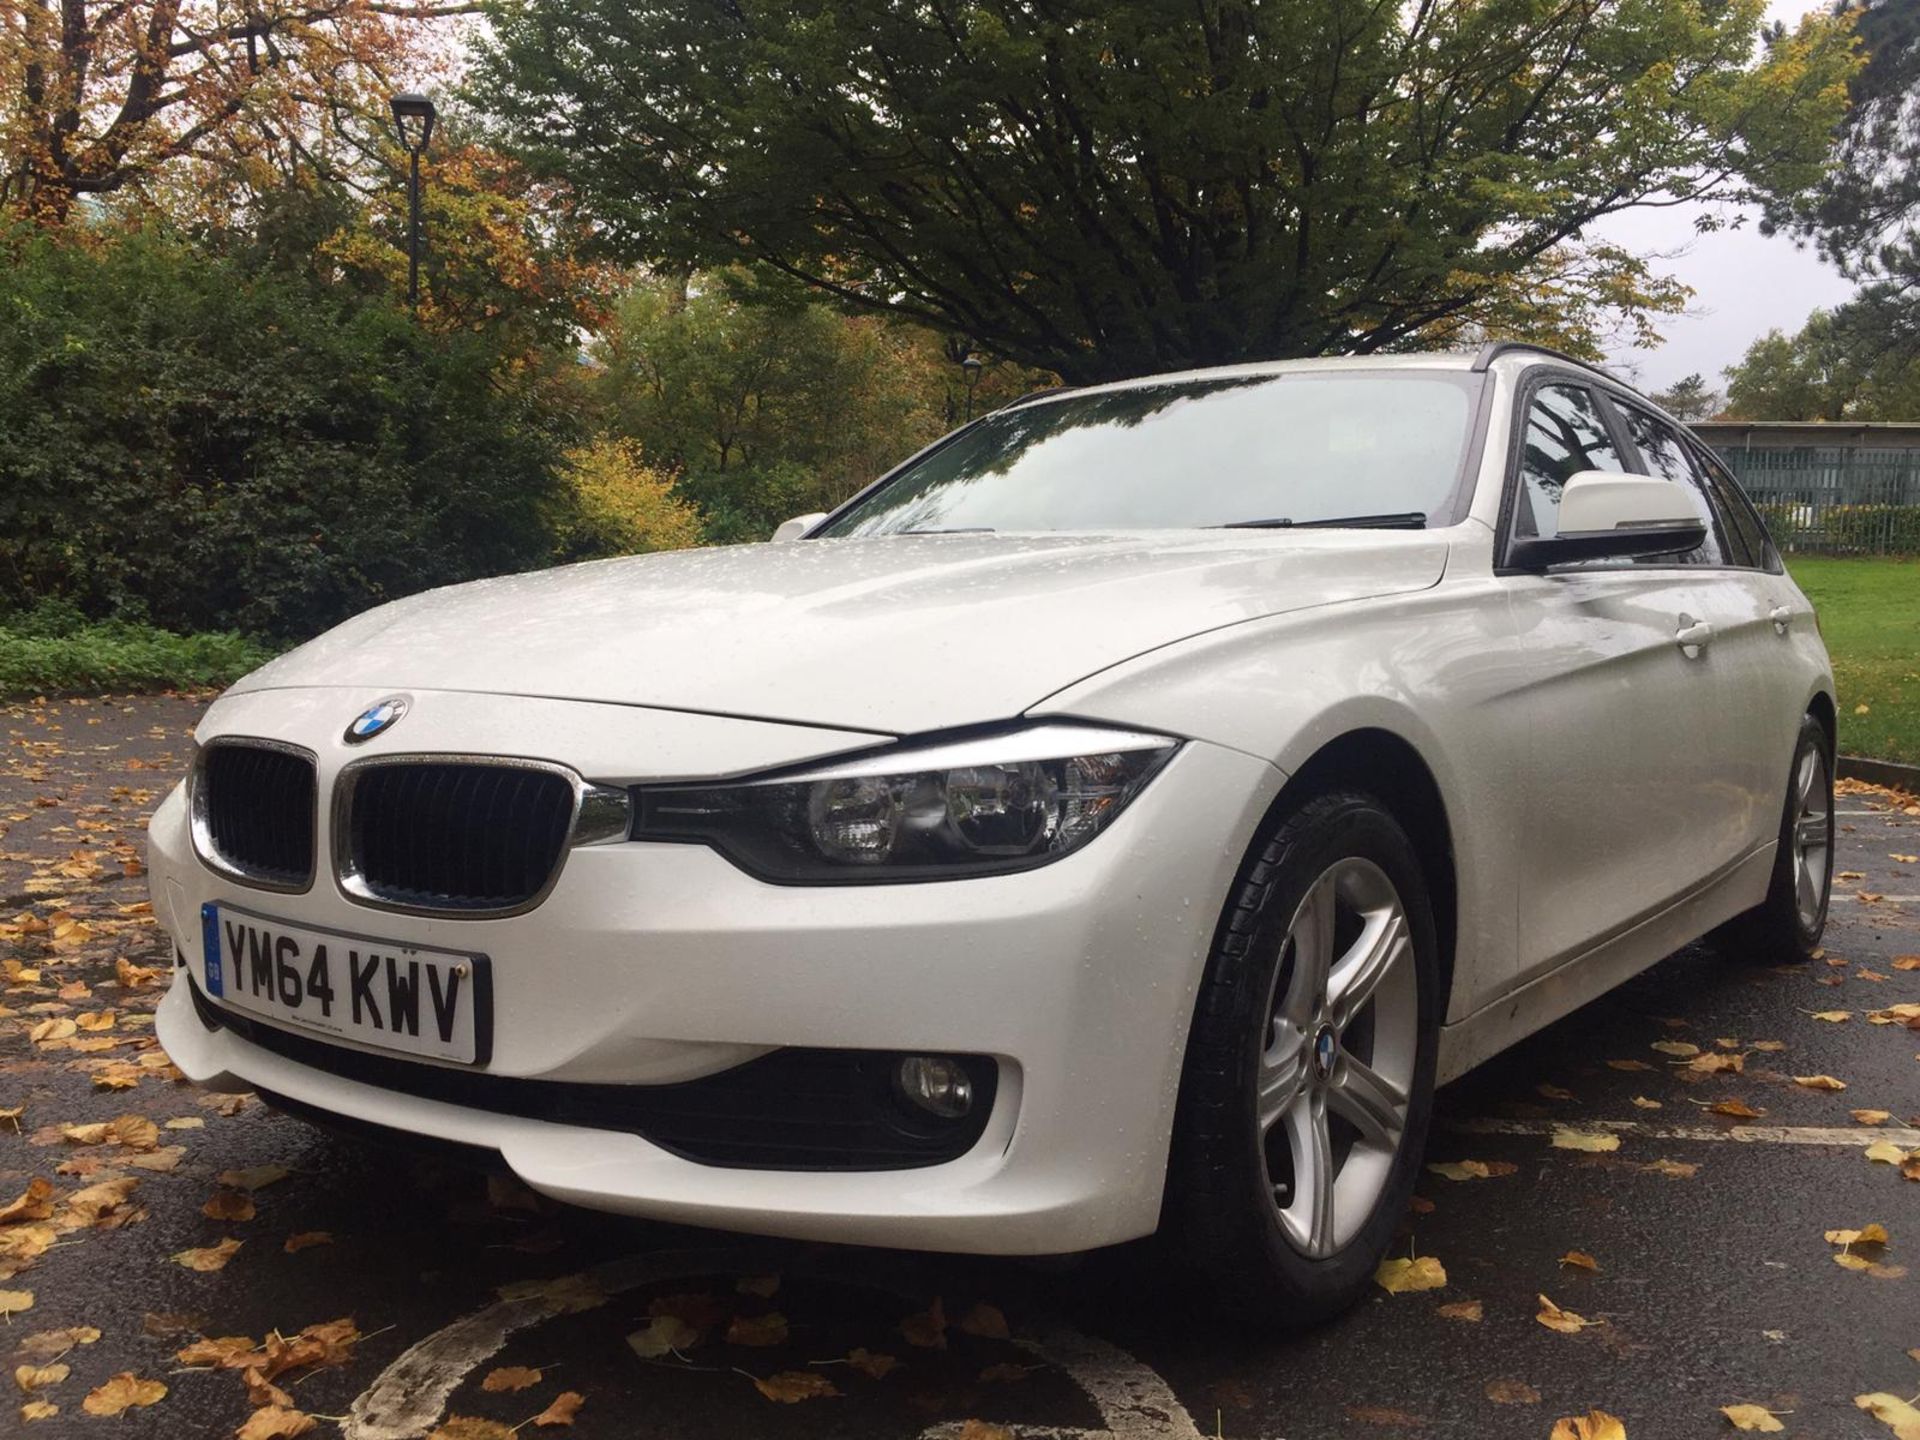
(1325, 1044)
(376, 719)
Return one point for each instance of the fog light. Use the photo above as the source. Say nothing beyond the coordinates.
(938, 1086)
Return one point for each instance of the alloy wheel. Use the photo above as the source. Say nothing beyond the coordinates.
(1337, 1070)
(1812, 836)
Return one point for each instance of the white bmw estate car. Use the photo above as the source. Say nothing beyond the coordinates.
(1119, 817)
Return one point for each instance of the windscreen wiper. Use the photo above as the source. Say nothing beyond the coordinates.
(1397, 520)
(956, 530)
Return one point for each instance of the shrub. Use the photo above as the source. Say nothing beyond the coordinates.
(1874, 529)
(208, 442)
(614, 503)
(49, 651)
(1844, 529)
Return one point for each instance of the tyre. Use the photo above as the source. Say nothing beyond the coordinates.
(1786, 926)
(1308, 1083)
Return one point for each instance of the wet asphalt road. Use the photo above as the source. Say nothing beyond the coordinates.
(1715, 1284)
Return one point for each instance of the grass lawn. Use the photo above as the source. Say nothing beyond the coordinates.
(1870, 616)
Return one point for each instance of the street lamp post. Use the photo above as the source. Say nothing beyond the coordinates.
(413, 118)
(971, 367)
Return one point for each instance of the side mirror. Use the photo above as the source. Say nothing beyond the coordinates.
(1604, 515)
(793, 529)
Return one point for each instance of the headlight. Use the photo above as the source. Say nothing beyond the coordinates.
(936, 811)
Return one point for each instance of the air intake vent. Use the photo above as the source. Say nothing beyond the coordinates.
(450, 835)
(253, 809)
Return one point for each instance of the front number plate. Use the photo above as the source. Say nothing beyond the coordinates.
(416, 1000)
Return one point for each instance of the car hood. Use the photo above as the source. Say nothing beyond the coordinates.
(896, 635)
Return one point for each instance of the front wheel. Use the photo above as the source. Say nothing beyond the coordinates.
(1309, 1076)
(1786, 926)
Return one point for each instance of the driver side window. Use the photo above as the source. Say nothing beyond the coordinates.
(1565, 435)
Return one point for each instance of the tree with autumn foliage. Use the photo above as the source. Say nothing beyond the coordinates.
(195, 104)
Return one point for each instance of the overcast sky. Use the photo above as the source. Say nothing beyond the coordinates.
(1744, 283)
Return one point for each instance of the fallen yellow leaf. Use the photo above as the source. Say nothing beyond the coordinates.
(254, 1177)
(1641, 1102)
(1885, 1152)
(33, 1203)
(1565, 1321)
(874, 1367)
(1400, 1276)
(928, 1329)
(1819, 1082)
(1751, 1417)
(1875, 1234)
(1676, 1047)
(1473, 1169)
(984, 1321)
(510, 1377)
(1832, 1017)
(209, 1257)
(471, 1427)
(663, 1333)
(1566, 1139)
(229, 1205)
(1716, 1064)
(123, 1392)
(1738, 1109)
(39, 1377)
(758, 1330)
(789, 1387)
(39, 1410)
(13, 1302)
(1871, 1117)
(1470, 1311)
(275, 1422)
(1594, 1425)
(565, 1406)
(1897, 1414)
(1580, 1260)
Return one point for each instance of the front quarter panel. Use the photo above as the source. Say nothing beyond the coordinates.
(1439, 668)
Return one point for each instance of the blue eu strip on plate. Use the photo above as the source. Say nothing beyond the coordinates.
(210, 946)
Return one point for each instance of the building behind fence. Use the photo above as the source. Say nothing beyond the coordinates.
(1831, 489)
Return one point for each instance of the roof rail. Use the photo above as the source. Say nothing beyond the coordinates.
(1494, 349)
(1032, 395)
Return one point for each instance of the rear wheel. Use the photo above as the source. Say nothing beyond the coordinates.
(1309, 1076)
(1787, 925)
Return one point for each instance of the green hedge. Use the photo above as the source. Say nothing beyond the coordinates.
(205, 442)
(1845, 529)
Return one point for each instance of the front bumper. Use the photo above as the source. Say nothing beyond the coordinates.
(660, 963)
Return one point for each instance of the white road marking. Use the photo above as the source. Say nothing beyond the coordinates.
(1851, 1136)
(408, 1398)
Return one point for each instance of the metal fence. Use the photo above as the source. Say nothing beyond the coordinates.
(1833, 501)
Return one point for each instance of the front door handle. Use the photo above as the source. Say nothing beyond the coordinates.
(1693, 636)
(1782, 618)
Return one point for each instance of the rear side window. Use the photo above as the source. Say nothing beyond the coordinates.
(1564, 436)
(1742, 520)
(1666, 455)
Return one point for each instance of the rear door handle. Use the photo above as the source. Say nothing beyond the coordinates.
(1782, 618)
(1693, 636)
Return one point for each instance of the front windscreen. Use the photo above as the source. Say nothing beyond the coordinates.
(1303, 447)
